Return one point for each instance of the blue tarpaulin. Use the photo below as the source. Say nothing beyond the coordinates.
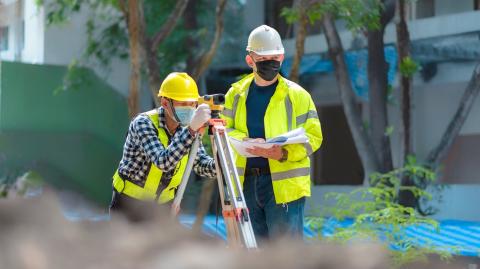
(463, 235)
(356, 64)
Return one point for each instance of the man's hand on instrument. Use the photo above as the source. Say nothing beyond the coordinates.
(201, 115)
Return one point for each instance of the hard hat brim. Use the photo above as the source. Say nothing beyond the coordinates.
(268, 52)
(179, 98)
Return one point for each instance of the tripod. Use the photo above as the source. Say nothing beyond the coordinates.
(234, 208)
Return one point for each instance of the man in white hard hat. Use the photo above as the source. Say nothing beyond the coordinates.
(263, 105)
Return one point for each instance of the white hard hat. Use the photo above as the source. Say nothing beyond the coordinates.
(264, 40)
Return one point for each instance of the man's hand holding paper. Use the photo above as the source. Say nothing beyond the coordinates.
(271, 148)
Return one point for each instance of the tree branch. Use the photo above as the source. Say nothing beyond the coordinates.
(207, 58)
(388, 12)
(302, 23)
(123, 7)
(456, 123)
(168, 26)
(352, 112)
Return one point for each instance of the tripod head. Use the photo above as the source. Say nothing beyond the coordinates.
(215, 102)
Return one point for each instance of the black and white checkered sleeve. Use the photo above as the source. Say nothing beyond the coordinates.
(204, 165)
(165, 159)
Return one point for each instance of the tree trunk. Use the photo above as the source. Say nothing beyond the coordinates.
(378, 84)
(191, 43)
(352, 112)
(207, 58)
(299, 40)
(151, 47)
(153, 72)
(406, 198)
(135, 60)
(468, 99)
(403, 47)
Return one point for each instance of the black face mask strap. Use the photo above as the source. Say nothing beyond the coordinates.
(170, 102)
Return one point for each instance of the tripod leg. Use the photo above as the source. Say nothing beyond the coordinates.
(186, 175)
(239, 210)
(233, 234)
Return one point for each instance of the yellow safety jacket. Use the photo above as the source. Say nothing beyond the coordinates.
(289, 108)
(154, 187)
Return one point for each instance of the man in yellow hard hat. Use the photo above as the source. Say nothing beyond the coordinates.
(157, 145)
(264, 105)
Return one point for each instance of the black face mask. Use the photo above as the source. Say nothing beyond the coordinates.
(268, 69)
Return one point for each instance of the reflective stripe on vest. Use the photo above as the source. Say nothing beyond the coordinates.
(289, 110)
(304, 117)
(299, 172)
(154, 187)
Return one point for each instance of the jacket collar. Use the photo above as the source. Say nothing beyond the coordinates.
(243, 85)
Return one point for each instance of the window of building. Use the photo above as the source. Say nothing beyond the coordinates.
(425, 9)
(3, 38)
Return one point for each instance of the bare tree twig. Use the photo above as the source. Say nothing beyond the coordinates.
(456, 123)
(352, 113)
(168, 26)
(207, 58)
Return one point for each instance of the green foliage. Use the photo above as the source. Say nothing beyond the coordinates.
(389, 130)
(377, 216)
(20, 183)
(291, 15)
(408, 67)
(76, 78)
(107, 35)
(359, 15)
(207, 143)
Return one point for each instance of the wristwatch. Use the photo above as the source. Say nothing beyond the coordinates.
(284, 155)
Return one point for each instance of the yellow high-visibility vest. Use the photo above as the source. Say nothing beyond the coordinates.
(289, 108)
(151, 189)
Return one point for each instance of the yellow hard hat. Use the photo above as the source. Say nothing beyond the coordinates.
(180, 87)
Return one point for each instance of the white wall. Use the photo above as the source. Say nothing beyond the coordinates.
(34, 42)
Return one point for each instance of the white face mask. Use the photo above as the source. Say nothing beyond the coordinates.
(184, 114)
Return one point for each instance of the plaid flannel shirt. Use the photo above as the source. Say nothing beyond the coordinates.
(143, 148)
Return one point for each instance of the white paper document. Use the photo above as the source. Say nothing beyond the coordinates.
(296, 136)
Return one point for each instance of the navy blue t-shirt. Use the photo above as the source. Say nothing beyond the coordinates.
(257, 102)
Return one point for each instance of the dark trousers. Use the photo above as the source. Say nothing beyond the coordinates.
(269, 219)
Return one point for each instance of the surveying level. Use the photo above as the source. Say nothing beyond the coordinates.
(215, 102)
(234, 208)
